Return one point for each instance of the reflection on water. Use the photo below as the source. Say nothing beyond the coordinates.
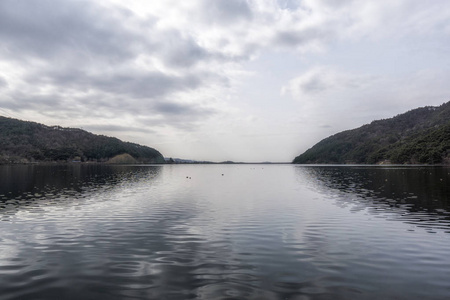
(189, 232)
(418, 195)
(41, 185)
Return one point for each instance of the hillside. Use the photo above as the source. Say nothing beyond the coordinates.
(419, 136)
(22, 141)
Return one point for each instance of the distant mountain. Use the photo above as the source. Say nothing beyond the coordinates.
(420, 136)
(170, 160)
(22, 142)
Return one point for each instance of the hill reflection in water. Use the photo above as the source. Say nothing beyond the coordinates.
(34, 186)
(418, 195)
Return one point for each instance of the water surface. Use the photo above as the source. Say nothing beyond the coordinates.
(224, 232)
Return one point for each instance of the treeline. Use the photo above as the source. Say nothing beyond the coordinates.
(420, 136)
(22, 142)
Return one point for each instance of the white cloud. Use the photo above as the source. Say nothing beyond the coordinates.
(320, 82)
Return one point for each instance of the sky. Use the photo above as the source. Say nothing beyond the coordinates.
(260, 80)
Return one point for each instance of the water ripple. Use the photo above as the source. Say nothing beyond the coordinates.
(259, 232)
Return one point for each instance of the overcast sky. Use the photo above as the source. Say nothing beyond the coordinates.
(260, 80)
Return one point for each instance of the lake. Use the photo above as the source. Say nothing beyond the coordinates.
(224, 232)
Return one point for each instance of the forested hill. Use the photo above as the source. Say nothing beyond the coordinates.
(22, 142)
(420, 136)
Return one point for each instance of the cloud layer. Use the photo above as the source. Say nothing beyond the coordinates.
(176, 72)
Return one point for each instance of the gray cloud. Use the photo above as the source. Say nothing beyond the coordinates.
(160, 113)
(20, 101)
(313, 85)
(179, 51)
(133, 83)
(289, 4)
(76, 34)
(325, 126)
(172, 108)
(116, 128)
(289, 38)
(183, 116)
(147, 86)
(294, 38)
(48, 30)
(3, 82)
(226, 12)
(86, 57)
(103, 108)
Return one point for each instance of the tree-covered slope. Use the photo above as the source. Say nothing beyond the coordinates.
(419, 136)
(22, 141)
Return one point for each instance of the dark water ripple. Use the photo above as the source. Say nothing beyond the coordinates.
(415, 195)
(258, 232)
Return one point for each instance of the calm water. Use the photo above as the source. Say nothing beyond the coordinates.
(255, 232)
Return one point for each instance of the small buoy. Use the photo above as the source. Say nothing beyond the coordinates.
(222, 174)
